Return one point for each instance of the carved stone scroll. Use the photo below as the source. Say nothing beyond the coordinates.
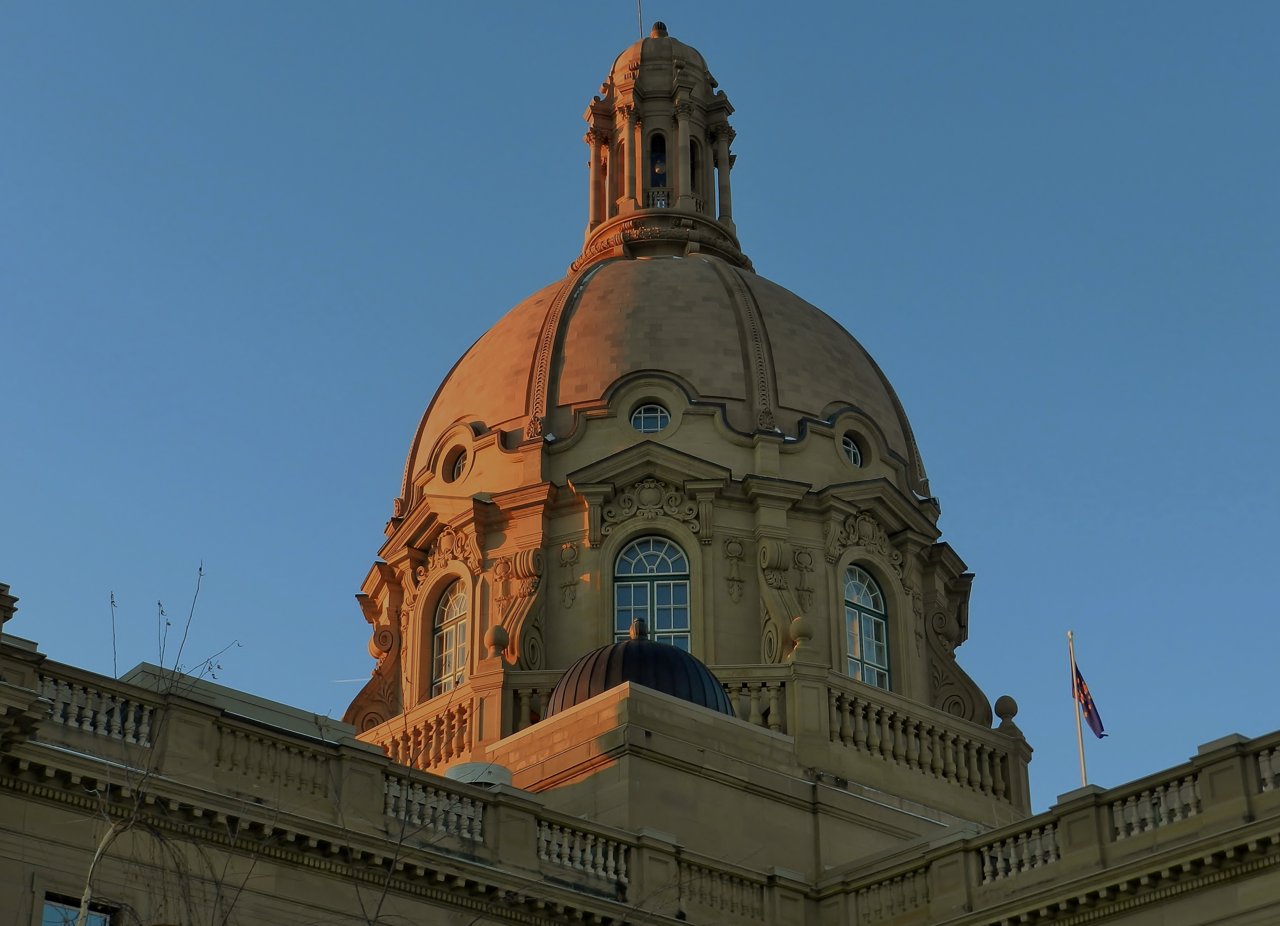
(648, 500)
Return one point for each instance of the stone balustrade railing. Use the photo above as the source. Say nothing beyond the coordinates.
(721, 891)
(272, 761)
(870, 723)
(584, 850)
(100, 709)
(758, 693)
(1014, 854)
(425, 805)
(1159, 805)
(348, 786)
(431, 735)
(528, 693)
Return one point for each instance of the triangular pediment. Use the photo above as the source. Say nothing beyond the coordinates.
(650, 459)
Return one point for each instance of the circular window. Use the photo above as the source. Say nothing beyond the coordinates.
(852, 452)
(455, 464)
(650, 418)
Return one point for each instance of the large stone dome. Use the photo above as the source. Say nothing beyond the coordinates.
(728, 337)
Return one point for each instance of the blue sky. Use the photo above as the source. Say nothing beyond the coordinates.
(242, 243)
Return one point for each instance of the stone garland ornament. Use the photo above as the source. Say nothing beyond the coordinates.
(649, 499)
(803, 560)
(569, 555)
(733, 552)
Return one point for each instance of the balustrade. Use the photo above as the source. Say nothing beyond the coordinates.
(759, 701)
(888, 732)
(582, 851)
(272, 761)
(428, 738)
(428, 806)
(881, 900)
(101, 713)
(1022, 852)
(723, 891)
(1155, 807)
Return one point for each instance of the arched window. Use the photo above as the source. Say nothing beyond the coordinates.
(650, 418)
(449, 640)
(866, 629)
(659, 192)
(651, 583)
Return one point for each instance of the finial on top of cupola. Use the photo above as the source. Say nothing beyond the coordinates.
(659, 30)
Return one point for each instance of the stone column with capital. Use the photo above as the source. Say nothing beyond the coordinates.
(594, 138)
(684, 175)
(724, 134)
(633, 157)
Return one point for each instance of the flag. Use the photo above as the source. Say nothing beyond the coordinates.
(1090, 710)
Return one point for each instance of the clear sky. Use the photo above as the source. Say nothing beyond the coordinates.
(241, 243)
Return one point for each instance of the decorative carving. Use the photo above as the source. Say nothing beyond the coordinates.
(452, 545)
(649, 499)
(518, 575)
(645, 229)
(569, 554)
(531, 651)
(516, 579)
(774, 562)
(534, 428)
(803, 560)
(862, 531)
(733, 551)
(953, 690)
(770, 644)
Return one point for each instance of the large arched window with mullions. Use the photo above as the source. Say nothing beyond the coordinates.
(651, 583)
(449, 640)
(866, 629)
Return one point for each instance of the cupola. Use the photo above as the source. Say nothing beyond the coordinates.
(659, 169)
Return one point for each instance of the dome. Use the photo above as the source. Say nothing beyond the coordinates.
(641, 661)
(732, 338)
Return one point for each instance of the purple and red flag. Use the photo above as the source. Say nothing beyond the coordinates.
(1087, 707)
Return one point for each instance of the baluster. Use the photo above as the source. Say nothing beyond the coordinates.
(913, 743)
(997, 775)
(975, 777)
(775, 707)
(610, 856)
(435, 734)
(873, 729)
(756, 712)
(962, 761)
(948, 755)
(899, 739)
(937, 743)
(984, 766)
(1052, 832)
(833, 715)
(522, 709)
(463, 740)
(856, 708)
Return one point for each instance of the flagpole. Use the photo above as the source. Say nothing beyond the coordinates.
(1075, 706)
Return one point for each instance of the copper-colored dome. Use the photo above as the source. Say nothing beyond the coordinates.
(641, 661)
(728, 333)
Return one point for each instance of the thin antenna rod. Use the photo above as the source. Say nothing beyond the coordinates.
(640, 18)
(1075, 704)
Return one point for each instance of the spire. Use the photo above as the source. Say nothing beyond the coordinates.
(659, 169)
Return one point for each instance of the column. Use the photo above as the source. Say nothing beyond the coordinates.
(684, 178)
(724, 135)
(632, 154)
(594, 138)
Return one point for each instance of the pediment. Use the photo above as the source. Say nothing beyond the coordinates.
(649, 459)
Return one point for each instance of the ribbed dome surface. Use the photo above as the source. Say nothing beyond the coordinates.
(737, 339)
(659, 666)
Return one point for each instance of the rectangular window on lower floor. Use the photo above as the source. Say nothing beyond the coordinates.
(63, 911)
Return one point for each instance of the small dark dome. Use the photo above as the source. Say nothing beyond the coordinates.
(641, 661)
